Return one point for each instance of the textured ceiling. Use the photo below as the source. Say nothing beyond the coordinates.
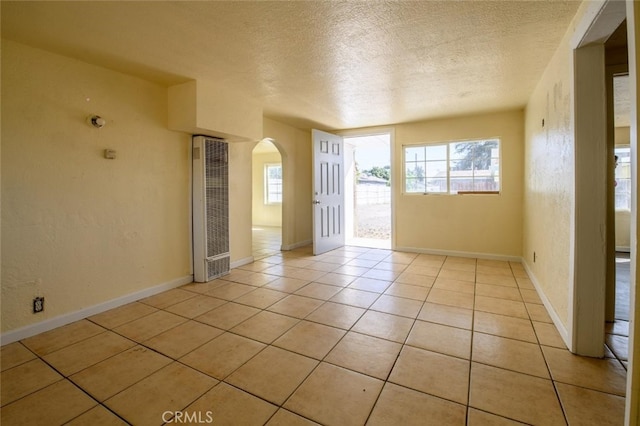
(331, 65)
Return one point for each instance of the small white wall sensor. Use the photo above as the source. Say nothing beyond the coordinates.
(96, 121)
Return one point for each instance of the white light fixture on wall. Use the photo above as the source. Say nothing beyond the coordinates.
(96, 121)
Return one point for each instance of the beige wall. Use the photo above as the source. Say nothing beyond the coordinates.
(623, 229)
(210, 108)
(240, 187)
(473, 224)
(549, 181)
(264, 214)
(76, 228)
(295, 147)
(622, 136)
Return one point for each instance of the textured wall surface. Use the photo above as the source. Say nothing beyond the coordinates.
(77, 228)
(487, 224)
(295, 148)
(323, 64)
(549, 181)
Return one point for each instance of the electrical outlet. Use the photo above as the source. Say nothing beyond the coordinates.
(38, 304)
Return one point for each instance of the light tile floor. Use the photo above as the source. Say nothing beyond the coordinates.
(617, 333)
(267, 241)
(355, 336)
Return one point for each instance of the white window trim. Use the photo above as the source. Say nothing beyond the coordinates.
(448, 144)
(625, 146)
(267, 201)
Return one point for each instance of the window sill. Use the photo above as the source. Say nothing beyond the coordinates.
(479, 192)
(457, 193)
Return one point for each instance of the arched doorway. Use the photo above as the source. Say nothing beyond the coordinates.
(267, 199)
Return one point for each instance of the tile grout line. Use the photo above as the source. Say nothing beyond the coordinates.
(539, 344)
(404, 344)
(281, 406)
(68, 379)
(473, 319)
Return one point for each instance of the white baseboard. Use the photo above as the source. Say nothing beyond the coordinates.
(287, 247)
(59, 321)
(564, 333)
(241, 262)
(488, 256)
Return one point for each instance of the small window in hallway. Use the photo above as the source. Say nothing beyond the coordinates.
(453, 168)
(623, 178)
(273, 183)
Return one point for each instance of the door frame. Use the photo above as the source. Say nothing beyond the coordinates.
(599, 21)
(396, 176)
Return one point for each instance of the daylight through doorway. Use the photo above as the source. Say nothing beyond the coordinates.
(267, 198)
(368, 190)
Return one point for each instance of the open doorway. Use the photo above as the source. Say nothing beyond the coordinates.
(617, 331)
(599, 55)
(622, 231)
(368, 190)
(590, 124)
(267, 189)
(619, 193)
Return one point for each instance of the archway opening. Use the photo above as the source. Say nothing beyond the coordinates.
(267, 199)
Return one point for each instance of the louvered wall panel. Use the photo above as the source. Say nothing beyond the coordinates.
(217, 197)
(211, 208)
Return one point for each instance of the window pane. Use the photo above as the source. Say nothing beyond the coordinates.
(414, 175)
(274, 187)
(623, 179)
(437, 169)
(436, 152)
(453, 167)
(437, 185)
(415, 185)
(273, 183)
(475, 166)
(414, 168)
(275, 172)
(460, 167)
(486, 183)
(414, 153)
(457, 151)
(476, 155)
(461, 184)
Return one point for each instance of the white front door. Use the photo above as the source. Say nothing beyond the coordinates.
(328, 192)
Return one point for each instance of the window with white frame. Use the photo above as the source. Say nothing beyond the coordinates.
(623, 178)
(453, 167)
(272, 183)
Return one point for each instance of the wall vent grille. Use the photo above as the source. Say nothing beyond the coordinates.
(217, 197)
(218, 267)
(210, 208)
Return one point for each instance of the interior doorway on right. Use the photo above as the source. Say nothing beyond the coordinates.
(617, 332)
(368, 190)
